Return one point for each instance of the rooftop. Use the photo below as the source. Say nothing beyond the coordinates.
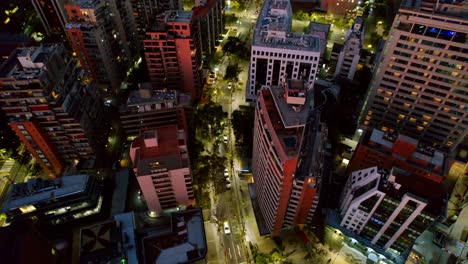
(428, 190)
(390, 141)
(159, 152)
(288, 120)
(453, 8)
(37, 190)
(85, 3)
(273, 29)
(28, 63)
(171, 16)
(185, 243)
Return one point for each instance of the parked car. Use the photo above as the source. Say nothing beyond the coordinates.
(227, 230)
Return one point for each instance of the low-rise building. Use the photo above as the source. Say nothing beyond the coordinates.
(54, 201)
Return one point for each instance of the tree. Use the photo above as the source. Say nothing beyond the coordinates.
(232, 72)
(242, 124)
(230, 18)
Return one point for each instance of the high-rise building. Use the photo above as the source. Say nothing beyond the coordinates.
(389, 209)
(350, 53)
(287, 154)
(420, 85)
(144, 11)
(97, 32)
(51, 105)
(277, 53)
(209, 15)
(378, 148)
(161, 165)
(173, 53)
(52, 15)
(148, 108)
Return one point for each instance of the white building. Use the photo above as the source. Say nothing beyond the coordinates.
(350, 54)
(277, 53)
(389, 209)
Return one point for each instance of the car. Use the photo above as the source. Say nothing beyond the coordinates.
(228, 185)
(225, 139)
(229, 85)
(228, 180)
(227, 229)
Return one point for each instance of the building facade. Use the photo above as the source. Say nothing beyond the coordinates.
(51, 105)
(98, 36)
(52, 15)
(161, 165)
(209, 15)
(148, 108)
(389, 209)
(287, 155)
(378, 148)
(350, 53)
(277, 53)
(420, 84)
(173, 53)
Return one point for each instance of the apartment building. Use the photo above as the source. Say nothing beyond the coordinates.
(149, 108)
(420, 85)
(100, 34)
(209, 14)
(389, 208)
(277, 53)
(52, 15)
(287, 155)
(161, 165)
(51, 105)
(173, 53)
(385, 150)
(350, 53)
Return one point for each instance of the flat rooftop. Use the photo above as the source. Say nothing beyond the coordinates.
(170, 16)
(39, 55)
(273, 29)
(163, 156)
(38, 190)
(186, 243)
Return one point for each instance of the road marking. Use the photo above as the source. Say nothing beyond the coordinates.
(238, 250)
(229, 252)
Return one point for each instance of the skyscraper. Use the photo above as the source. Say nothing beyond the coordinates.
(162, 167)
(287, 154)
(51, 104)
(173, 53)
(97, 32)
(277, 53)
(420, 85)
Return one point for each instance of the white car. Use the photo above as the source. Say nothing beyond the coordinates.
(228, 185)
(227, 230)
(225, 139)
(229, 85)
